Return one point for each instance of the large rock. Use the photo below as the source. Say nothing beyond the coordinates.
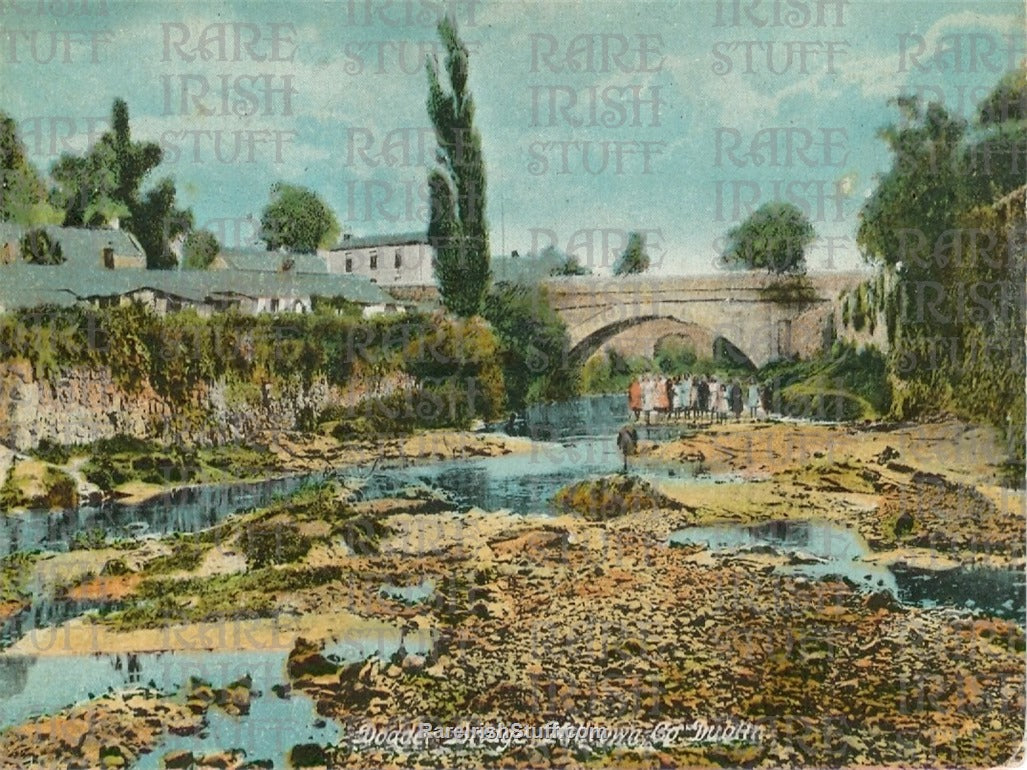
(306, 660)
(178, 759)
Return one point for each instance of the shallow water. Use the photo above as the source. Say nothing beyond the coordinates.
(841, 552)
(31, 685)
(188, 509)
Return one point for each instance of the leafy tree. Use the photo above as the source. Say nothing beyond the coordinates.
(156, 221)
(103, 186)
(533, 345)
(104, 183)
(23, 196)
(201, 247)
(457, 230)
(996, 158)
(774, 238)
(674, 355)
(39, 248)
(957, 309)
(634, 259)
(566, 264)
(298, 220)
(919, 198)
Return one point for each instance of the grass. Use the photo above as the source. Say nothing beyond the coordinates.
(121, 461)
(35, 484)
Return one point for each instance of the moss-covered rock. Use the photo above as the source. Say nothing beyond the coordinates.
(612, 496)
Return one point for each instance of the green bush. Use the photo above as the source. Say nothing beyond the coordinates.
(846, 383)
(533, 345)
(49, 452)
(674, 355)
(267, 543)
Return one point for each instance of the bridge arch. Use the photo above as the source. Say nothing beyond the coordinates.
(641, 335)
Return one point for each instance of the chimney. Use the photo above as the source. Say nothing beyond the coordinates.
(108, 256)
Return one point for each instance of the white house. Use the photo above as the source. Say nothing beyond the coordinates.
(388, 260)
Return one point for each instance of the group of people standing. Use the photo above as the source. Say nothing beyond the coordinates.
(699, 397)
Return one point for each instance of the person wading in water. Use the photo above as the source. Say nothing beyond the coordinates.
(627, 443)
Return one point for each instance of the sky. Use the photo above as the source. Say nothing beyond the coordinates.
(675, 119)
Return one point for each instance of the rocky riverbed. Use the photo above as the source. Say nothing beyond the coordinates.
(700, 656)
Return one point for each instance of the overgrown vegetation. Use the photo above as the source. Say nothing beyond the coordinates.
(267, 543)
(33, 484)
(845, 383)
(533, 345)
(455, 362)
(948, 218)
(612, 496)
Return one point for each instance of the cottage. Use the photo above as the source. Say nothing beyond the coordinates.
(111, 249)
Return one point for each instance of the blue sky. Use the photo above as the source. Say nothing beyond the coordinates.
(668, 101)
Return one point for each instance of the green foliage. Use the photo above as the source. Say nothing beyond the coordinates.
(846, 383)
(122, 459)
(773, 238)
(297, 219)
(634, 259)
(156, 221)
(920, 196)
(104, 184)
(456, 363)
(995, 157)
(610, 372)
(58, 490)
(38, 248)
(49, 452)
(267, 543)
(956, 316)
(458, 227)
(23, 197)
(200, 249)
(16, 576)
(674, 355)
(791, 290)
(88, 540)
(567, 265)
(534, 345)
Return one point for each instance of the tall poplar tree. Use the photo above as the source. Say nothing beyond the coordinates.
(458, 230)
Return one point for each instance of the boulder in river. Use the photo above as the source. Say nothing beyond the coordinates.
(306, 660)
(178, 759)
(612, 496)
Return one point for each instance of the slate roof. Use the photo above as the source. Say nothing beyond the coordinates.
(24, 285)
(80, 245)
(260, 260)
(380, 241)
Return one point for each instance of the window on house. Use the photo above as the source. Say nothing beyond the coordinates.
(374, 260)
(399, 259)
(349, 264)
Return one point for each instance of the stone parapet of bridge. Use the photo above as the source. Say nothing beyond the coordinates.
(737, 306)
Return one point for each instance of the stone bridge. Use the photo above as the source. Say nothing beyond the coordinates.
(743, 308)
